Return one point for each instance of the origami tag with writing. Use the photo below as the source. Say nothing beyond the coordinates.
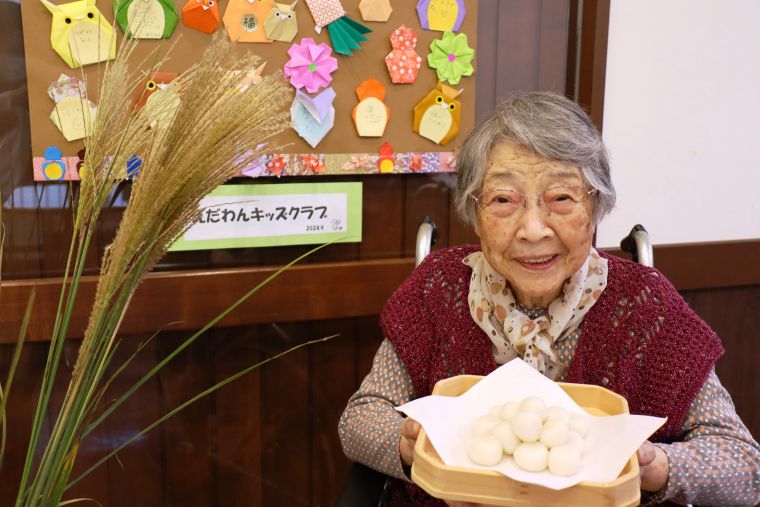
(244, 20)
(80, 34)
(371, 114)
(146, 19)
(313, 117)
(436, 116)
(73, 114)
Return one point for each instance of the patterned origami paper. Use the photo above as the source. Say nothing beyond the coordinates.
(441, 15)
(375, 10)
(146, 19)
(73, 114)
(244, 20)
(403, 62)
(371, 115)
(282, 23)
(310, 66)
(312, 117)
(80, 34)
(345, 33)
(201, 15)
(436, 116)
(451, 57)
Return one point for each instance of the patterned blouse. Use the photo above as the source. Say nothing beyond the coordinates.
(716, 463)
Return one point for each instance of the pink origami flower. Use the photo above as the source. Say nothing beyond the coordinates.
(310, 66)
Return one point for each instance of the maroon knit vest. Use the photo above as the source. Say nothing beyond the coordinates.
(640, 340)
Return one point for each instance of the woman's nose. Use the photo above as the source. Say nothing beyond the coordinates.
(532, 224)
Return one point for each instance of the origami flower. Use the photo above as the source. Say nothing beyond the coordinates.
(310, 65)
(451, 57)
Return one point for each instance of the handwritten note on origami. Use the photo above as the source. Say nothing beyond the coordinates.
(146, 19)
(313, 117)
(436, 116)
(73, 114)
(80, 34)
(371, 114)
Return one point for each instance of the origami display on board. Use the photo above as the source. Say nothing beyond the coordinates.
(345, 33)
(158, 99)
(244, 20)
(312, 117)
(371, 115)
(282, 23)
(451, 57)
(403, 62)
(310, 66)
(73, 113)
(386, 162)
(375, 10)
(436, 116)
(146, 19)
(202, 15)
(53, 167)
(441, 15)
(80, 34)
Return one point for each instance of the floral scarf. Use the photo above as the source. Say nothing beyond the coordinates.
(512, 332)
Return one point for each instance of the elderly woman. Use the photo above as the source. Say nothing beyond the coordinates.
(534, 181)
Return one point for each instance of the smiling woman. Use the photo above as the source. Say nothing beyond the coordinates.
(534, 182)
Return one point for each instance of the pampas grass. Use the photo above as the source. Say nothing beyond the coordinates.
(186, 152)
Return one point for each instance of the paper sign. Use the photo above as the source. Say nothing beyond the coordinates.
(244, 20)
(80, 34)
(448, 421)
(436, 116)
(238, 216)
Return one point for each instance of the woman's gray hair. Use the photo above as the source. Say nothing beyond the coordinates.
(552, 126)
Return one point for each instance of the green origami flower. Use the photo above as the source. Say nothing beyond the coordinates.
(451, 57)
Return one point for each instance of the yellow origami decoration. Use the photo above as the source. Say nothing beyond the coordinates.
(436, 116)
(80, 34)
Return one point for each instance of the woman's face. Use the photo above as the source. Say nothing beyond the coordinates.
(534, 248)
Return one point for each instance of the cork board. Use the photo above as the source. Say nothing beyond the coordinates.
(342, 151)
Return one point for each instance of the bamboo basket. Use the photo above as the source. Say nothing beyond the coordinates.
(493, 488)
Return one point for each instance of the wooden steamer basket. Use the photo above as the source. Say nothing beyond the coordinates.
(487, 487)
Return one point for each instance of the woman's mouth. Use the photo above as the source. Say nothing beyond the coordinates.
(536, 263)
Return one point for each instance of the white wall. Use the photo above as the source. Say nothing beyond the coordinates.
(682, 119)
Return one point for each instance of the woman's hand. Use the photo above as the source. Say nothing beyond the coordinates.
(653, 467)
(409, 431)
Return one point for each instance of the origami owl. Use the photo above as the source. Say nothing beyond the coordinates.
(202, 15)
(80, 34)
(157, 100)
(244, 20)
(146, 19)
(436, 116)
(441, 15)
(281, 23)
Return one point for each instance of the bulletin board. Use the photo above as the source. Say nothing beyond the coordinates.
(341, 151)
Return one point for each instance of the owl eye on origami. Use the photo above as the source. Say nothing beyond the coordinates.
(452, 106)
(91, 15)
(151, 85)
(439, 99)
(67, 21)
(211, 3)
